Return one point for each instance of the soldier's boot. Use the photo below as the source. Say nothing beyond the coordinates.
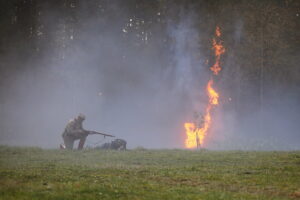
(81, 143)
(69, 142)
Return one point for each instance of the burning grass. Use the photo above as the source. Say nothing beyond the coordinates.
(33, 173)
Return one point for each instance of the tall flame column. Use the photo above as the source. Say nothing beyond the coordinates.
(197, 134)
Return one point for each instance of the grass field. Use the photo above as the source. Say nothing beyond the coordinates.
(34, 173)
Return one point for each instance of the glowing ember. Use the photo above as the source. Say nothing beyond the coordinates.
(218, 32)
(195, 134)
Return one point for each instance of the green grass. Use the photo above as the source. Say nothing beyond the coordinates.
(34, 173)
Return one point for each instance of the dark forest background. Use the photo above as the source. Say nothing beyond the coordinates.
(57, 56)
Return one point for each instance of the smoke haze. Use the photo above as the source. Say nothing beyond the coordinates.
(139, 74)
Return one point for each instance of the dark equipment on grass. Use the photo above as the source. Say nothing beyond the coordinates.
(117, 144)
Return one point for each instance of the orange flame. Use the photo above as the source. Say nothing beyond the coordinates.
(212, 94)
(192, 134)
(196, 135)
(219, 50)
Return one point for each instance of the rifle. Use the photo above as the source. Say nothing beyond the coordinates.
(95, 132)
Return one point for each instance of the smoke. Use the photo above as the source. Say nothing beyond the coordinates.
(134, 75)
(262, 118)
(273, 128)
(97, 68)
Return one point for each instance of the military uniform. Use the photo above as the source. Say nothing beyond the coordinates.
(74, 131)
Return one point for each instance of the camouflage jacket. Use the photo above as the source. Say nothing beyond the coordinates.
(74, 129)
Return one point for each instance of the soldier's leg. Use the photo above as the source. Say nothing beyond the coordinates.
(69, 142)
(81, 143)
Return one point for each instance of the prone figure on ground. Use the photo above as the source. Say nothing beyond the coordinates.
(117, 144)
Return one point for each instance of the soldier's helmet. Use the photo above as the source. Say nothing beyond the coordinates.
(81, 117)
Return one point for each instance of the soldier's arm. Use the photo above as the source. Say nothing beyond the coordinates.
(80, 133)
(73, 130)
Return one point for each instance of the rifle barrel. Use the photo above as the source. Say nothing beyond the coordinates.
(95, 132)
